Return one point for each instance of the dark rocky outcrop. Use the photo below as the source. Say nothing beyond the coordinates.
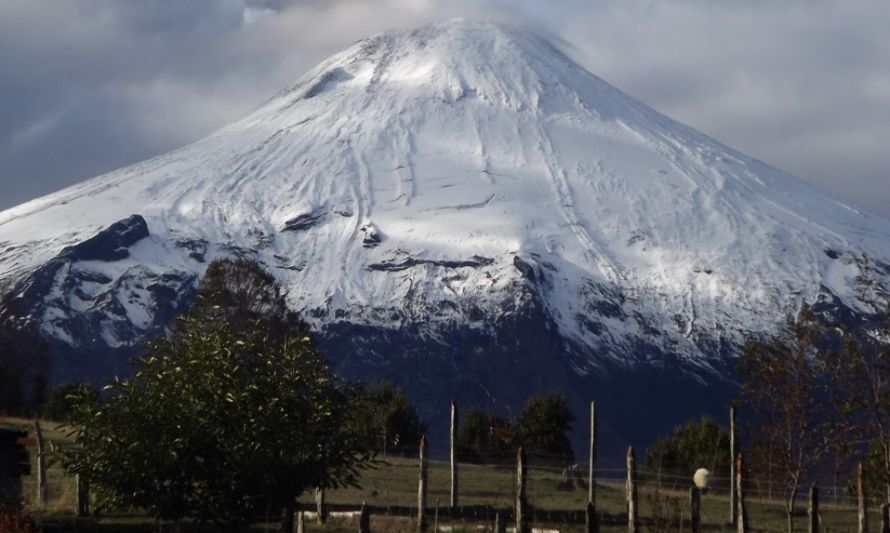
(89, 312)
(110, 244)
(197, 248)
(525, 268)
(371, 236)
(393, 266)
(327, 80)
(304, 221)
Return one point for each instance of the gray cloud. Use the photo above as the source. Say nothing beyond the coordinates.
(89, 86)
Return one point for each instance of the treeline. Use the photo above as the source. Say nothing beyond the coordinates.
(542, 430)
(698, 443)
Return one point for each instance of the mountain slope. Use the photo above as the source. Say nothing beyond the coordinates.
(437, 194)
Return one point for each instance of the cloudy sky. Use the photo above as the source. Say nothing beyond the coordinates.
(87, 86)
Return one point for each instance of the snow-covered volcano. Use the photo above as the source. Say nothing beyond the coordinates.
(427, 188)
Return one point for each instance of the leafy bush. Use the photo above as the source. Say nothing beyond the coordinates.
(485, 438)
(699, 443)
(543, 427)
(59, 404)
(541, 430)
(391, 419)
(230, 418)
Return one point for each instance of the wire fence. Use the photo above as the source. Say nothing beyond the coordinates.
(556, 495)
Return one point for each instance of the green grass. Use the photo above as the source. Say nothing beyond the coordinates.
(395, 483)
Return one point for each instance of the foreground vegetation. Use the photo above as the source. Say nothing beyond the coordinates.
(394, 482)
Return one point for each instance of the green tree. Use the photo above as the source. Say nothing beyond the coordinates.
(543, 428)
(228, 419)
(874, 473)
(392, 419)
(699, 443)
(239, 293)
(60, 401)
(485, 438)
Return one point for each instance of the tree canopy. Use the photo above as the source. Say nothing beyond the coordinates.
(483, 437)
(61, 400)
(543, 429)
(392, 419)
(240, 292)
(699, 443)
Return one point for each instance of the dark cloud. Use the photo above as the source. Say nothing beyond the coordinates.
(89, 86)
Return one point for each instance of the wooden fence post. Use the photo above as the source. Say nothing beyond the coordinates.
(454, 423)
(591, 460)
(742, 514)
(885, 518)
(813, 510)
(82, 496)
(500, 525)
(695, 509)
(733, 450)
(287, 518)
(521, 472)
(364, 520)
(592, 519)
(421, 488)
(319, 505)
(42, 490)
(633, 523)
(863, 503)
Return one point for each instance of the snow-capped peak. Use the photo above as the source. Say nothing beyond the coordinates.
(440, 176)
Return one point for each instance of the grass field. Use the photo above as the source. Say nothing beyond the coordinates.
(394, 483)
